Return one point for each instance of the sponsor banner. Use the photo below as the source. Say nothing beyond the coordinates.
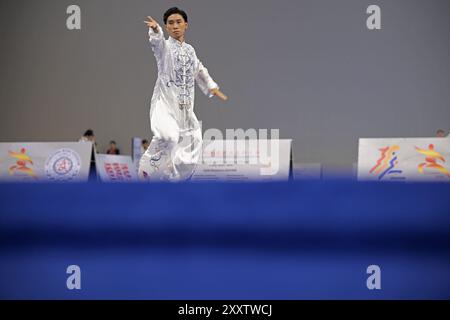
(244, 160)
(45, 161)
(115, 168)
(400, 159)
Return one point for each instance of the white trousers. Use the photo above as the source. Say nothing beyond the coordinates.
(174, 151)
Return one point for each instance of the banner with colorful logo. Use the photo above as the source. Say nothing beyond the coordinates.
(244, 160)
(115, 168)
(404, 159)
(45, 161)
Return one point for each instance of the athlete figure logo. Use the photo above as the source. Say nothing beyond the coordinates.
(21, 164)
(386, 163)
(430, 164)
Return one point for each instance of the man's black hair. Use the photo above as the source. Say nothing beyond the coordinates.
(144, 141)
(112, 142)
(175, 10)
(88, 133)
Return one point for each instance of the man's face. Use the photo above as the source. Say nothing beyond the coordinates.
(176, 26)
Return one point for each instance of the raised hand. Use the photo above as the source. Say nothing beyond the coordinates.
(151, 23)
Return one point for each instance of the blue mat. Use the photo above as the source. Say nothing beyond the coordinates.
(302, 240)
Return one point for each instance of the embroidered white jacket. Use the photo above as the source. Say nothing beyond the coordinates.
(178, 70)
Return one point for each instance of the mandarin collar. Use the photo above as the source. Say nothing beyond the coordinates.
(175, 41)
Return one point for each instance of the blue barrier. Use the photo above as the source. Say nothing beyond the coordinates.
(296, 240)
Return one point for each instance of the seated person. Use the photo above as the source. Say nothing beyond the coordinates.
(113, 148)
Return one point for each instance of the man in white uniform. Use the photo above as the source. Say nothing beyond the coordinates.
(177, 138)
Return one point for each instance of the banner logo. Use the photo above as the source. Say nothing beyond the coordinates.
(21, 166)
(431, 165)
(63, 165)
(386, 163)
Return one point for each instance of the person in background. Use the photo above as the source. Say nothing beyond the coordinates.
(440, 133)
(113, 148)
(144, 145)
(88, 136)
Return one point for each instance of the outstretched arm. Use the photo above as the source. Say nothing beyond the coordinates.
(207, 84)
(156, 36)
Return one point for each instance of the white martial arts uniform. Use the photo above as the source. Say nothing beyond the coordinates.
(177, 138)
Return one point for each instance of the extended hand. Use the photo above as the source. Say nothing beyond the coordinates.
(219, 94)
(151, 23)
